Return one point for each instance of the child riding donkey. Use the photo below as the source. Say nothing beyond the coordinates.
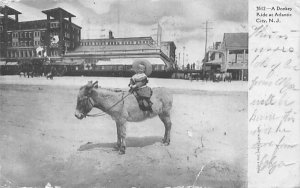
(138, 84)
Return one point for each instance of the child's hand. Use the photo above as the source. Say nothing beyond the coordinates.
(132, 88)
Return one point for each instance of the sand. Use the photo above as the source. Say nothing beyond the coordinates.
(42, 142)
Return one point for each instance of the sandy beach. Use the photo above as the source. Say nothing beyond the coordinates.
(42, 142)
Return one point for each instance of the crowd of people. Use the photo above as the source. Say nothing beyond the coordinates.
(189, 67)
(40, 70)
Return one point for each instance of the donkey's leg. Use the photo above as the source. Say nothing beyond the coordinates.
(165, 118)
(117, 147)
(122, 129)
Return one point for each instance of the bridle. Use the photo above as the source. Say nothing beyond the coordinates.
(88, 100)
(88, 103)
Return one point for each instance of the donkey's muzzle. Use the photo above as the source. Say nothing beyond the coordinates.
(79, 115)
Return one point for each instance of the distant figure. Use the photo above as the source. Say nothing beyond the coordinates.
(50, 75)
(29, 71)
(193, 66)
(206, 76)
(188, 66)
(217, 77)
(138, 85)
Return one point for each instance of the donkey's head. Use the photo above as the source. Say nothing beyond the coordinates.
(84, 101)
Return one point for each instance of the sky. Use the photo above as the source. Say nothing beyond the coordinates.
(182, 21)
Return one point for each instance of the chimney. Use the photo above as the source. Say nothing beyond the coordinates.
(110, 36)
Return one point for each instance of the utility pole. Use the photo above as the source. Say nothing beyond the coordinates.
(183, 56)
(206, 31)
(118, 17)
(179, 59)
(205, 36)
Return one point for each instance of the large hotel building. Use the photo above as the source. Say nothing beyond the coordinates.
(54, 35)
(57, 40)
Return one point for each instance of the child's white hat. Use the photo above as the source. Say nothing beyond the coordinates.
(146, 63)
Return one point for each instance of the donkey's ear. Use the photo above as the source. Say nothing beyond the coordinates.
(95, 84)
(89, 87)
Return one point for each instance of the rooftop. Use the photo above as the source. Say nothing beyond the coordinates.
(9, 10)
(34, 24)
(102, 48)
(235, 40)
(168, 42)
(57, 11)
(105, 39)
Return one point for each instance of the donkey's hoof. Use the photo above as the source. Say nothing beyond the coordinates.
(166, 142)
(121, 152)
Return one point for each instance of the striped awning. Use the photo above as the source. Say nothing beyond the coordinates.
(129, 61)
(12, 63)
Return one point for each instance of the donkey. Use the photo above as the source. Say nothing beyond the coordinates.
(123, 107)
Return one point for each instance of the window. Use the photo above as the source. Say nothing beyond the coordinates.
(1, 28)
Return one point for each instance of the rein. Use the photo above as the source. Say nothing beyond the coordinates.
(91, 102)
